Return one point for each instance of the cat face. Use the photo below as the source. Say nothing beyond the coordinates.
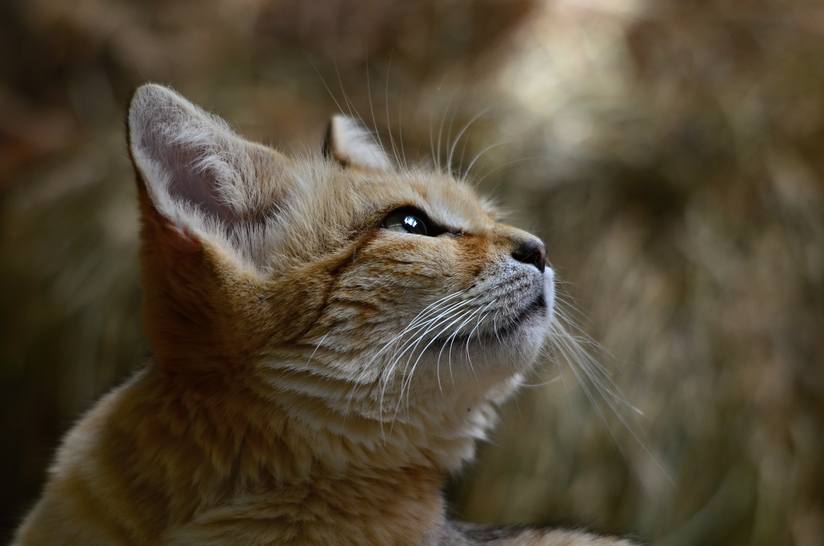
(338, 286)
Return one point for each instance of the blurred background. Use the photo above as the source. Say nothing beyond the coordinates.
(671, 154)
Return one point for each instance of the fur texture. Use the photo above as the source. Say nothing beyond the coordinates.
(315, 374)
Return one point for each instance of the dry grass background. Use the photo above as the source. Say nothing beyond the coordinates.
(671, 153)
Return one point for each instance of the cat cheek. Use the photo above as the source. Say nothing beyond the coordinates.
(473, 256)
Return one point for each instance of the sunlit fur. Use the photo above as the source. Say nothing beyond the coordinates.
(314, 376)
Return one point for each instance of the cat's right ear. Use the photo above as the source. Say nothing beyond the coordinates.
(351, 145)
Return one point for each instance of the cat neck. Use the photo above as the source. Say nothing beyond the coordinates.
(204, 444)
(210, 456)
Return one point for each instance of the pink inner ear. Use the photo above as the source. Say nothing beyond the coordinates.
(180, 140)
(188, 180)
(189, 158)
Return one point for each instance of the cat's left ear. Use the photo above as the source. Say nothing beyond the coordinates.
(351, 145)
(198, 179)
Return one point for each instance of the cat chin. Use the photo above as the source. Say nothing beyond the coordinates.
(516, 348)
(484, 363)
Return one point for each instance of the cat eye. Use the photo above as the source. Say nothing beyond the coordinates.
(410, 220)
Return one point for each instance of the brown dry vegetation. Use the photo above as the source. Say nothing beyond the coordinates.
(671, 154)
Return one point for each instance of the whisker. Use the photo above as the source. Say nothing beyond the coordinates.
(420, 355)
(440, 131)
(400, 131)
(410, 344)
(351, 110)
(461, 134)
(450, 310)
(419, 320)
(389, 117)
(328, 89)
(372, 108)
(469, 337)
(594, 370)
(311, 356)
(480, 154)
(539, 385)
(575, 357)
(502, 166)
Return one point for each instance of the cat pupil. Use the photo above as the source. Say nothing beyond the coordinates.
(413, 224)
(409, 221)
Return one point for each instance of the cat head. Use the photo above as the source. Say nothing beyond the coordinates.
(357, 296)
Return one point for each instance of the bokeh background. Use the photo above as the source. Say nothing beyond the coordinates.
(671, 153)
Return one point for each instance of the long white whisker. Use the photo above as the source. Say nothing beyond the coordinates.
(322, 339)
(372, 108)
(411, 346)
(440, 354)
(408, 381)
(428, 325)
(389, 117)
(600, 374)
(350, 107)
(328, 89)
(573, 356)
(436, 325)
(400, 131)
(440, 130)
(479, 155)
(457, 140)
(421, 317)
(471, 332)
(419, 320)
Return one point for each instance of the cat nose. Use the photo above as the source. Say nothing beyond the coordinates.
(532, 252)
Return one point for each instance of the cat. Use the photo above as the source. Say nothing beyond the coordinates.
(330, 335)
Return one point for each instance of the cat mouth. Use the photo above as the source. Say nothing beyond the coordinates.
(505, 328)
(536, 306)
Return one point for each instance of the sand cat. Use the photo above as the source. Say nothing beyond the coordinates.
(330, 335)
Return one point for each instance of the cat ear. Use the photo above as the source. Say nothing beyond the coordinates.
(351, 145)
(198, 175)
